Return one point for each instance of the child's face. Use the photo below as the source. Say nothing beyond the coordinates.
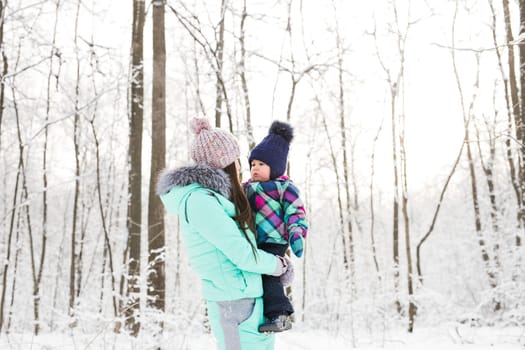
(260, 171)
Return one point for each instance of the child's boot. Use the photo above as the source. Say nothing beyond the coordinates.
(276, 324)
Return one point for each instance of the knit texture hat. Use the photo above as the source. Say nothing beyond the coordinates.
(214, 147)
(273, 149)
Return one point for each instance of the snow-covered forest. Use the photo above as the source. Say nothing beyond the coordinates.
(409, 152)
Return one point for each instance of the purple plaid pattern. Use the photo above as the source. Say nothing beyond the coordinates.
(279, 212)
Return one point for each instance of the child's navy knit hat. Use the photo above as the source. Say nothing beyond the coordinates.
(273, 149)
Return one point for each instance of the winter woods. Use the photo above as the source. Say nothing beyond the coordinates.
(409, 153)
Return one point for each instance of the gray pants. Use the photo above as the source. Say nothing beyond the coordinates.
(232, 314)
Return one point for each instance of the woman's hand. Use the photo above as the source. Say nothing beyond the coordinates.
(284, 270)
(282, 266)
(288, 276)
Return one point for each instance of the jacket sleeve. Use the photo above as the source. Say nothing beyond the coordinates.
(294, 218)
(207, 216)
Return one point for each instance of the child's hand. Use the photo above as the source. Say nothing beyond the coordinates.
(288, 276)
(297, 243)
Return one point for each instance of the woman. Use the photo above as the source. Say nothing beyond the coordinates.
(217, 231)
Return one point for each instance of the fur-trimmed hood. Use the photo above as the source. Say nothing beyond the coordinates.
(213, 179)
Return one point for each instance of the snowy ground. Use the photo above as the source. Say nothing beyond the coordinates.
(443, 338)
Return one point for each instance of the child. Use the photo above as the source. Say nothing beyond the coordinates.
(279, 217)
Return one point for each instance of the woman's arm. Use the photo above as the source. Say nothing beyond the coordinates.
(207, 216)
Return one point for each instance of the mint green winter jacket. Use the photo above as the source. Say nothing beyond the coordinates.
(217, 250)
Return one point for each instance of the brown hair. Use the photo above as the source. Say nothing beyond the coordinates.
(243, 211)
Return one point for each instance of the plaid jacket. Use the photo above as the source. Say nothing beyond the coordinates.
(279, 212)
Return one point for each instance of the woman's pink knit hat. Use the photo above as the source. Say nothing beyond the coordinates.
(214, 147)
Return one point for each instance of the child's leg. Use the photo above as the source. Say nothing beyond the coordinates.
(275, 301)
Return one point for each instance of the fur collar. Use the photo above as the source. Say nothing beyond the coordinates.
(214, 179)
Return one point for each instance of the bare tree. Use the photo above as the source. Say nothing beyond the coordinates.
(520, 129)
(309, 170)
(24, 197)
(340, 211)
(412, 309)
(438, 208)
(242, 69)
(467, 115)
(345, 138)
(107, 250)
(487, 166)
(513, 109)
(4, 68)
(87, 194)
(401, 46)
(14, 284)
(394, 83)
(156, 274)
(37, 276)
(372, 205)
(400, 201)
(296, 74)
(134, 208)
(219, 54)
(7, 259)
(76, 133)
(191, 24)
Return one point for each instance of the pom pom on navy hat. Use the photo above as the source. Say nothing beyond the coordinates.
(283, 129)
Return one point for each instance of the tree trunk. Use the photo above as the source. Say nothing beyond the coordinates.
(412, 309)
(59, 269)
(9, 242)
(21, 172)
(242, 68)
(513, 109)
(467, 115)
(372, 206)
(477, 214)
(399, 165)
(395, 207)
(514, 99)
(76, 133)
(436, 212)
(134, 207)
(37, 281)
(340, 212)
(83, 217)
(215, 62)
(3, 73)
(102, 280)
(10, 234)
(219, 54)
(156, 274)
(108, 250)
(521, 126)
(15, 271)
(346, 179)
(199, 104)
(488, 170)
